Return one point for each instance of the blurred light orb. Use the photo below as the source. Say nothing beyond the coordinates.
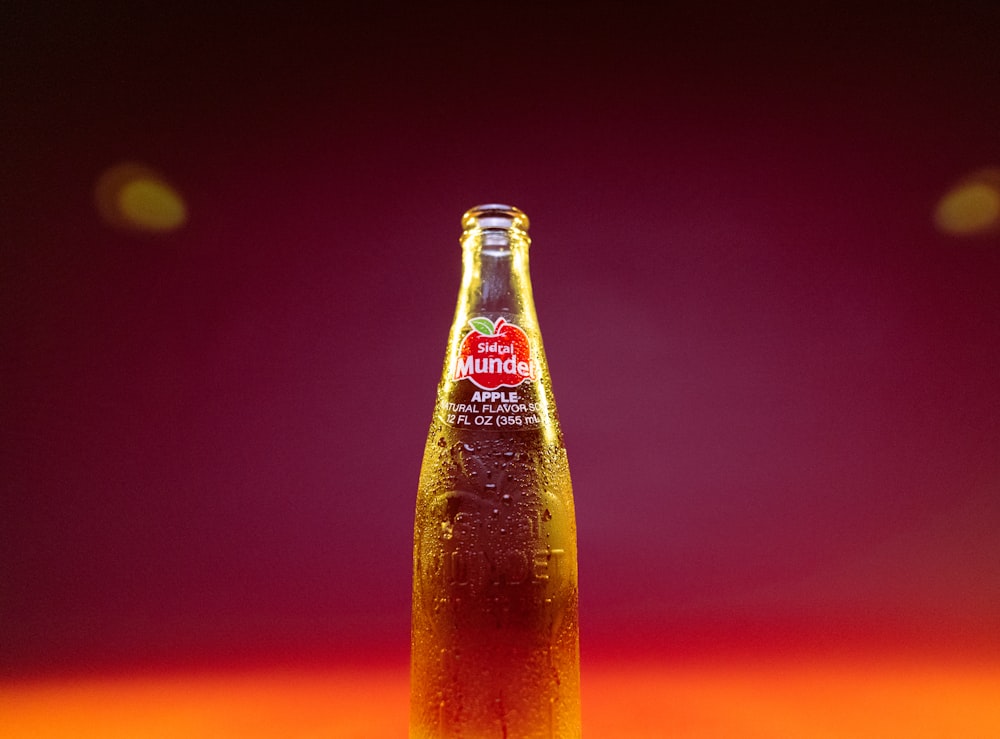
(135, 197)
(972, 206)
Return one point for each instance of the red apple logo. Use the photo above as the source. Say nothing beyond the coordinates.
(495, 355)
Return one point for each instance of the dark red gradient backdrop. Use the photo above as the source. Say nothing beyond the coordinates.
(779, 383)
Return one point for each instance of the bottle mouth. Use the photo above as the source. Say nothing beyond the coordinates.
(494, 217)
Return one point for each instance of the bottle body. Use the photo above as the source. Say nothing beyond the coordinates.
(495, 646)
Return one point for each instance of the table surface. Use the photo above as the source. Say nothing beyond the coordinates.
(816, 699)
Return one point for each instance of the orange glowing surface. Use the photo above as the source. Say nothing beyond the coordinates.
(818, 700)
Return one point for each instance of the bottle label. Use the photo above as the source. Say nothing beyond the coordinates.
(496, 358)
(494, 355)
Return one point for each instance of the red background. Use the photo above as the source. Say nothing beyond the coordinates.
(777, 380)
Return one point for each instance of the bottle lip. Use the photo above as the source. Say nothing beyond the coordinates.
(494, 216)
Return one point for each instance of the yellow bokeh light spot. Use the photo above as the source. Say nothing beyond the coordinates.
(151, 205)
(972, 206)
(134, 197)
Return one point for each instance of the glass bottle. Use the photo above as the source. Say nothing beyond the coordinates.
(494, 644)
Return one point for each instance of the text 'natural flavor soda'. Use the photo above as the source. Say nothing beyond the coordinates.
(495, 643)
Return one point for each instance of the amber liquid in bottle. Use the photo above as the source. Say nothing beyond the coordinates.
(495, 645)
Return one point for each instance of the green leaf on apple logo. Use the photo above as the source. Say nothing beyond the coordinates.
(482, 325)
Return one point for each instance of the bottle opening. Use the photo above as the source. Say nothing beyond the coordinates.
(494, 217)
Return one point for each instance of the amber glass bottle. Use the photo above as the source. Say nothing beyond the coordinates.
(495, 646)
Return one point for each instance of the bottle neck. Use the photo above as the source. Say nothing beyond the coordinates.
(495, 376)
(495, 279)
